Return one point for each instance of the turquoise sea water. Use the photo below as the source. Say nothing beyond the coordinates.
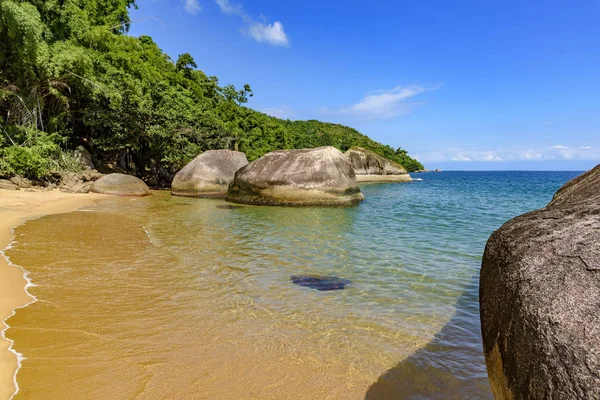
(446, 220)
(407, 326)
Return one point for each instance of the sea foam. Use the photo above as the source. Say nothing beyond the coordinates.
(28, 284)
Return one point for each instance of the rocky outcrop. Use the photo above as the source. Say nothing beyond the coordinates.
(21, 182)
(209, 174)
(84, 157)
(72, 182)
(307, 177)
(8, 185)
(120, 185)
(371, 167)
(540, 298)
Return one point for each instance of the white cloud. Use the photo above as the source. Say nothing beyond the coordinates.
(229, 8)
(383, 104)
(270, 33)
(283, 112)
(260, 31)
(192, 6)
(460, 157)
(513, 154)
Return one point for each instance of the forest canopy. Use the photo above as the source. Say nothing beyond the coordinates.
(71, 76)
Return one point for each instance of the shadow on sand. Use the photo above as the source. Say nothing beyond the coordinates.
(451, 366)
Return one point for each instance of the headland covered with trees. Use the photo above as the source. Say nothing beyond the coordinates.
(71, 76)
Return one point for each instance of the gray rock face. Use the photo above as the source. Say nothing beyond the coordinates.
(371, 167)
(307, 177)
(81, 187)
(209, 174)
(21, 182)
(84, 157)
(8, 185)
(73, 182)
(120, 185)
(540, 298)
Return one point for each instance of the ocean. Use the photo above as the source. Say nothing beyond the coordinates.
(170, 297)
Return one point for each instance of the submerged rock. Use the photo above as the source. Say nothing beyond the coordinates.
(320, 282)
(228, 207)
(540, 298)
(120, 185)
(209, 174)
(307, 177)
(371, 167)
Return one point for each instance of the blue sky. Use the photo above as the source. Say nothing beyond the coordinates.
(460, 84)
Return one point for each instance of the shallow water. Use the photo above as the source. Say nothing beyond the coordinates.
(167, 297)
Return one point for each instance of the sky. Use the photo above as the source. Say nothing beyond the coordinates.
(461, 85)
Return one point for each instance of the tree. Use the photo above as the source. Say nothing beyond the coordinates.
(185, 63)
(239, 96)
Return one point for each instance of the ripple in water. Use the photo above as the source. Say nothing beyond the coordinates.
(146, 298)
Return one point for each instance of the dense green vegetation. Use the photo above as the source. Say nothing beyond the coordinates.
(69, 76)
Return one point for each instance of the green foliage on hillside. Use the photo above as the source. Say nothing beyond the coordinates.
(70, 75)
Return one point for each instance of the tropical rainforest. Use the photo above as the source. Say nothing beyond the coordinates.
(71, 76)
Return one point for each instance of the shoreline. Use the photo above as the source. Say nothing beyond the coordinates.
(16, 207)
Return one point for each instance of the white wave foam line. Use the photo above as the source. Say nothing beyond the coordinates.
(20, 357)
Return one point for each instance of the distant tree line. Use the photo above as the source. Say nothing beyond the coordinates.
(70, 76)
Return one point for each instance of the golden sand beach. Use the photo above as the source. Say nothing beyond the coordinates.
(15, 208)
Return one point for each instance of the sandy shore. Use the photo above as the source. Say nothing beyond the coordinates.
(15, 208)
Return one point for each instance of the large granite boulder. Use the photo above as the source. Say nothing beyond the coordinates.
(540, 298)
(307, 177)
(209, 174)
(120, 185)
(371, 167)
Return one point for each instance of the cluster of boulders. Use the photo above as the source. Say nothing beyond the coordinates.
(321, 176)
(70, 182)
(89, 180)
(540, 298)
(81, 182)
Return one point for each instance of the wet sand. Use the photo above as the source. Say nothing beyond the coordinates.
(15, 208)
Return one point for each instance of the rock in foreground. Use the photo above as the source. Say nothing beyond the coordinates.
(371, 167)
(209, 174)
(120, 185)
(307, 177)
(540, 298)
